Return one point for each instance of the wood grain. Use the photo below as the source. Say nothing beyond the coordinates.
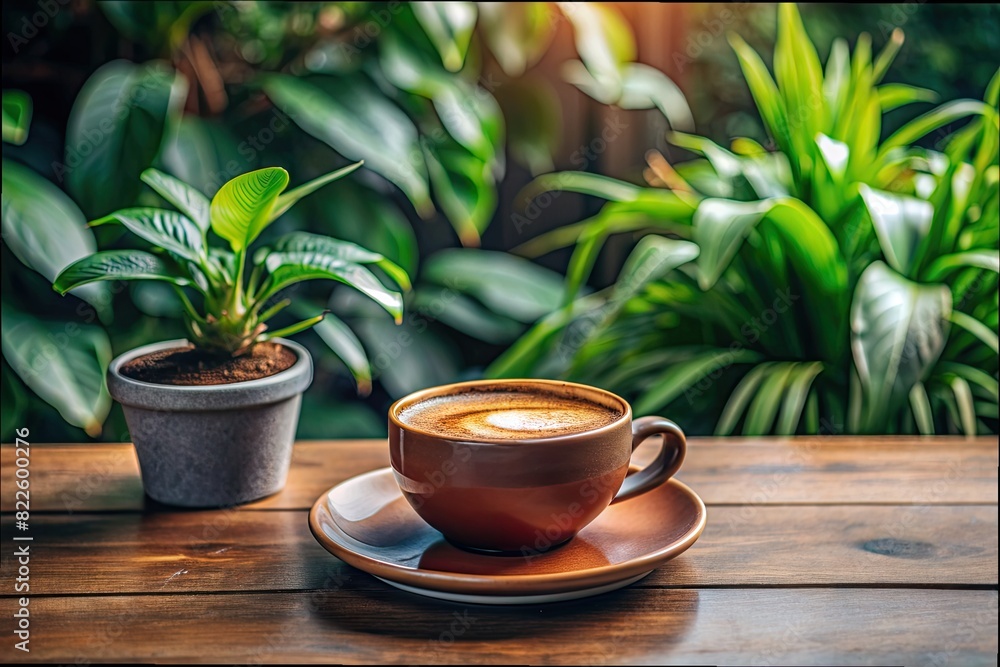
(232, 550)
(632, 626)
(723, 471)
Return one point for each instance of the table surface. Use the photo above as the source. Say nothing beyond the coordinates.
(817, 551)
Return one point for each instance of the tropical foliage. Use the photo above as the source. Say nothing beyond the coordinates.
(832, 281)
(234, 309)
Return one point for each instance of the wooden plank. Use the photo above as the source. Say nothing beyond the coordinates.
(734, 471)
(232, 550)
(633, 626)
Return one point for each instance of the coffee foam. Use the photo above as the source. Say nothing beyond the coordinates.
(507, 415)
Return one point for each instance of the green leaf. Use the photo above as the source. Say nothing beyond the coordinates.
(966, 406)
(652, 259)
(799, 76)
(339, 338)
(681, 376)
(45, 229)
(898, 329)
(984, 333)
(767, 400)
(900, 223)
(507, 285)
(639, 87)
(920, 405)
(796, 391)
(360, 123)
(836, 155)
(187, 199)
(287, 268)
(168, 230)
(740, 398)
(517, 33)
(243, 207)
(66, 371)
(894, 95)
(115, 131)
(292, 329)
(206, 153)
(720, 226)
(449, 26)
(603, 40)
(340, 250)
(464, 188)
(16, 116)
(764, 91)
(945, 264)
(976, 376)
(117, 265)
(940, 117)
(582, 182)
(289, 199)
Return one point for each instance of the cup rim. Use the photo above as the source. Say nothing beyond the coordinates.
(457, 387)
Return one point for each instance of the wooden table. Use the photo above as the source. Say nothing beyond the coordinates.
(817, 551)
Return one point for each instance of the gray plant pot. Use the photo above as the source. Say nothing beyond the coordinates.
(212, 446)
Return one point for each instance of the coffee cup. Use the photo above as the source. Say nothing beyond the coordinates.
(521, 466)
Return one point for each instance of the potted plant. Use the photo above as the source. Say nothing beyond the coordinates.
(213, 419)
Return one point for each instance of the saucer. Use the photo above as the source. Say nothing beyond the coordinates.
(366, 522)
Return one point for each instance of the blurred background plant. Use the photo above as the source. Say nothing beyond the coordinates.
(829, 281)
(454, 107)
(434, 97)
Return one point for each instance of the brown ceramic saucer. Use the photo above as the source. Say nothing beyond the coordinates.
(366, 522)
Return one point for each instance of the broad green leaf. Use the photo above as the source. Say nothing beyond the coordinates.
(796, 391)
(45, 229)
(340, 250)
(449, 26)
(652, 259)
(345, 344)
(901, 223)
(517, 33)
(117, 265)
(165, 229)
(603, 40)
(115, 131)
(920, 405)
(982, 259)
(465, 314)
(360, 123)
(683, 375)
(243, 207)
(464, 189)
(898, 329)
(835, 154)
(507, 285)
(984, 333)
(640, 87)
(894, 95)
(288, 268)
(16, 116)
(720, 225)
(190, 201)
(67, 372)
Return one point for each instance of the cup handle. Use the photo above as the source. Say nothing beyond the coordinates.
(667, 463)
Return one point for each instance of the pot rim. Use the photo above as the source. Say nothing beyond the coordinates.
(137, 393)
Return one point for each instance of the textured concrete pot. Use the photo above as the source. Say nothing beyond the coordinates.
(217, 445)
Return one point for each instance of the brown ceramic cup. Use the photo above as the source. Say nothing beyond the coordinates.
(526, 495)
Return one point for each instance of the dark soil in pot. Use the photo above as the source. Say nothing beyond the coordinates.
(189, 366)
